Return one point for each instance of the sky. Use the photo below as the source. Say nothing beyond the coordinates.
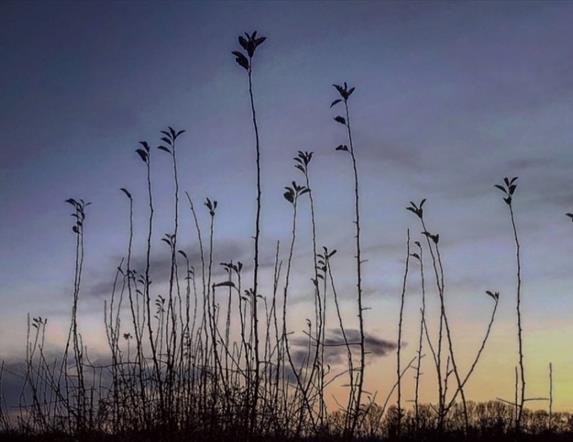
(450, 98)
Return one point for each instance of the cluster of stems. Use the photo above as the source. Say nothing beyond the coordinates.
(213, 354)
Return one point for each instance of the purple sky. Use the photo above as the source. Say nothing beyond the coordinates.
(451, 97)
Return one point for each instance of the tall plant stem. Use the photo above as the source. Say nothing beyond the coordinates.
(451, 347)
(319, 307)
(79, 413)
(440, 283)
(420, 338)
(134, 317)
(345, 339)
(360, 380)
(173, 280)
(477, 357)
(213, 318)
(399, 348)
(256, 258)
(519, 323)
(147, 287)
(297, 376)
(438, 353)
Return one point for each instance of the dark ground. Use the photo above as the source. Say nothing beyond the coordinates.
(180, 437)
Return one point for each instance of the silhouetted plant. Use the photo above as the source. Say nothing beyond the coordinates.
(432, 242)
(135, 313)
(324, 261)
(420, 257)
(302, 162)
(344, 93)
(495, 297)
(292, 194)
(144, 153)
(249, 43)
(169, 140)
(508, 187)
(399, 344)
(80, 411)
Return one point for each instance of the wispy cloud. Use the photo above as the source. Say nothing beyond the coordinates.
(335, 351)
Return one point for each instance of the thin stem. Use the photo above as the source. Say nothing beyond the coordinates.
(256, 257)
(399, 345)
(519, 323)
(420, 339)
(360, 380)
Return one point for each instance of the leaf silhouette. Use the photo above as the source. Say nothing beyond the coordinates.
(126, 192)
(335, 102)
(340, 89)
(225, 284)
(289, 196)
(243, 42)
(493, 295)
(241, 59)
(142, 154)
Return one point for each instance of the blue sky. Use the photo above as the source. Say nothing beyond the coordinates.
(451, 97)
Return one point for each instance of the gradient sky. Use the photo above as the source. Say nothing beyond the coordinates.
(451, 97)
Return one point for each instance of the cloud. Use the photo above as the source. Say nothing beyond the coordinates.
(335, 348)
(15, 386)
